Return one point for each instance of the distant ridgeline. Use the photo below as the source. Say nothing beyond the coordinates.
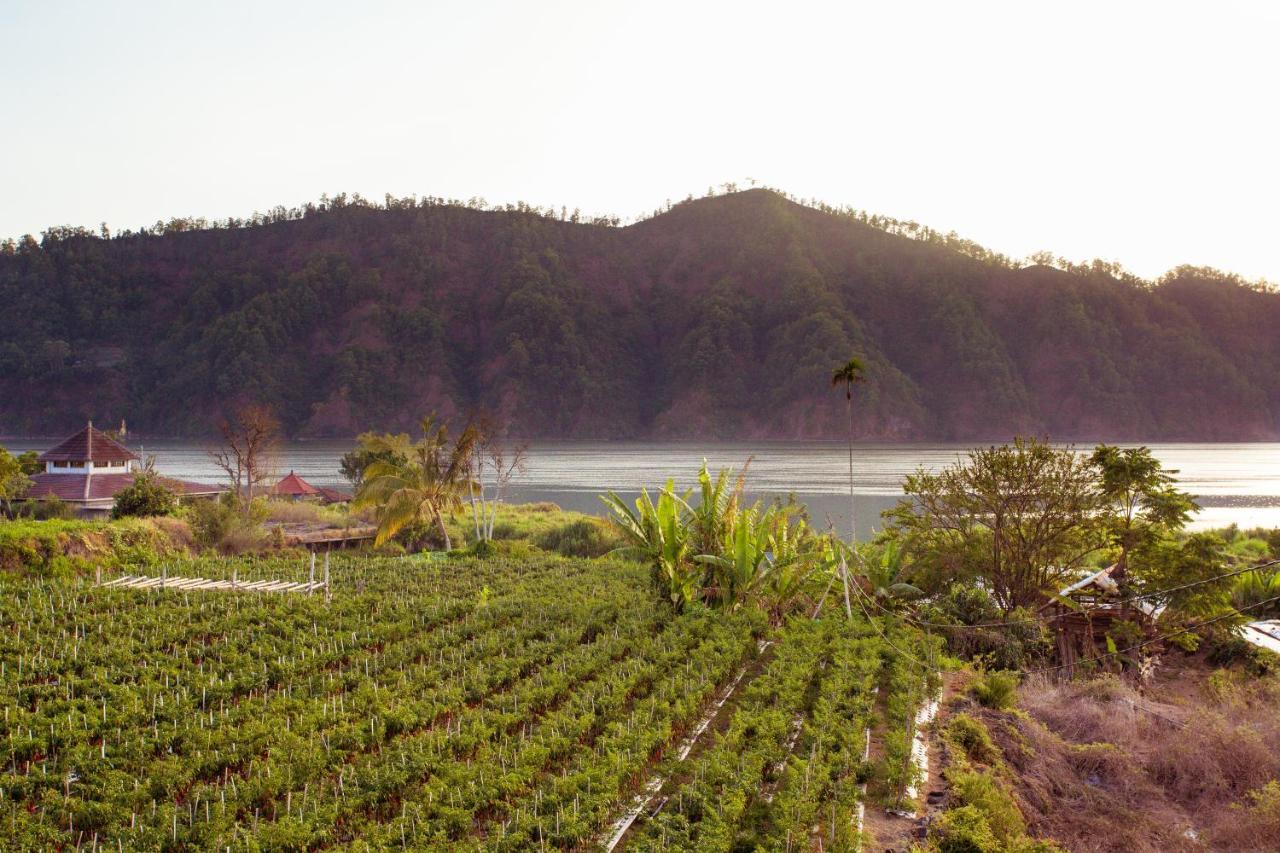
(719, 317)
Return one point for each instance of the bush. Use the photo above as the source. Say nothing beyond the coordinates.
(993, 801)
(586, 537)
(146, 497)
(972, 737)
(995, 688)
(48, 509)
(965, 830)
(221, 524)
(211, 521)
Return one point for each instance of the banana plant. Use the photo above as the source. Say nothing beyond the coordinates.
(796, 557)
(883, 577)
(714, 512)
(740, 569)
(660, 533)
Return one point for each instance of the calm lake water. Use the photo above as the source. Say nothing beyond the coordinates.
(1234, 482)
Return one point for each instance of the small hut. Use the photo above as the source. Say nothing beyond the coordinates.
(293, 488)
(1084, 613)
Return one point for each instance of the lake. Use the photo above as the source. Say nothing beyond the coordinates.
(1233, 482)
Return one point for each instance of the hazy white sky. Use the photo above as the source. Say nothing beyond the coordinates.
(1139, 132)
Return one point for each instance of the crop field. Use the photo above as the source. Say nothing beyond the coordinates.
(451, 704)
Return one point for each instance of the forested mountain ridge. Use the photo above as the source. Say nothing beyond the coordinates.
(721, 317)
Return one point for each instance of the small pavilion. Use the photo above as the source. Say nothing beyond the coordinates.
(293, 488)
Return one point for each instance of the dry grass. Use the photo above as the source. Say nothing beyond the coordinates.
(305, 512)
(1179, 765)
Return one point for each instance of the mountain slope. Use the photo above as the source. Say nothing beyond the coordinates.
(721, 317)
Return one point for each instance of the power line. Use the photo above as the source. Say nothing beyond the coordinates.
(861, 594)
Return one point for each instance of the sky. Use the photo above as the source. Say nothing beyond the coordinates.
(1143, 133)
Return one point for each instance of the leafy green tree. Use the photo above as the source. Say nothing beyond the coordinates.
(355, 462)
(14, 482)
(146, 496)
(1168, 564)
(30, 462)
(416, 482)
(1022, 518)
(1142, 502)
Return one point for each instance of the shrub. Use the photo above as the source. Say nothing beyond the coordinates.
(993, 801)
(211, 521)
(145, 497)
(585, 537)
(965, 830)
(972, 737)
(995, 688)
(221, 524)
(48, 509)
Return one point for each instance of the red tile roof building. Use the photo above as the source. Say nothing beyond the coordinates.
(90, 468)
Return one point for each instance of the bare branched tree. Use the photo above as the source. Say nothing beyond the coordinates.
(495, 462)
(250, 439)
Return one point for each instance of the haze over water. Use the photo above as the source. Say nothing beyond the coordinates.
(1233, 482)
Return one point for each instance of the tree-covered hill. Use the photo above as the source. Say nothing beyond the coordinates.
(720, 317)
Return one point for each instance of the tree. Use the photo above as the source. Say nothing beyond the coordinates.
(14, 482)
(29, 462)
(494, 463)
(146, 496)
(1143, 504)
(1022, 518)
(354, 462)
(849, 374)
(250, 439)
(410, 482)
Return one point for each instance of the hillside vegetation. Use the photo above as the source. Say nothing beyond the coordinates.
(720, 317)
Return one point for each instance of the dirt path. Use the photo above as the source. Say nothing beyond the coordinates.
(887, 830)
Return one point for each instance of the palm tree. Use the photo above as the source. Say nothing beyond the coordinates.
(849, 374)
(412, 482)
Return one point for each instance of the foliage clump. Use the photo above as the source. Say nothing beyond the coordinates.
(146, 496)
(995, 688)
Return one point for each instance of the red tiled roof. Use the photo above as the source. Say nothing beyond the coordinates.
(104, 487)
(294, 486)
(334, 496)
(89, 445)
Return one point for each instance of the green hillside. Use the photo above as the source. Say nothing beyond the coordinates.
(720, 317)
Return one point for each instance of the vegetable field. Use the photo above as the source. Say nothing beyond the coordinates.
(433, 704)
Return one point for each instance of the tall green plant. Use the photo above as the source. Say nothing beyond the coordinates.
(660, 533)
(740, 567)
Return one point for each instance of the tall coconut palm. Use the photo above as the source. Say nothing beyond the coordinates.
(851, 373)
(415, 482)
